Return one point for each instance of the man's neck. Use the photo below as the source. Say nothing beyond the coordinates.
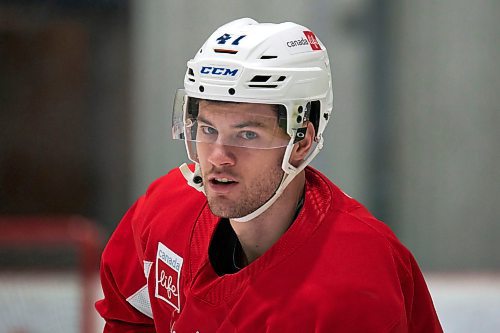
(258, 235)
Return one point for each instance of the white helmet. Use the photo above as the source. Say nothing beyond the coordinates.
(246, 61)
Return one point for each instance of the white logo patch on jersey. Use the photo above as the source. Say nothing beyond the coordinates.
(168, 274)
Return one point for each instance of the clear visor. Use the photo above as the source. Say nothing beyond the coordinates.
(258, 126)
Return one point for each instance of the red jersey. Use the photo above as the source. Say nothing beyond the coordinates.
(336, 269)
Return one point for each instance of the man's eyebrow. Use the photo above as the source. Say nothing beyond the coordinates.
(204, 120)
(249, 123)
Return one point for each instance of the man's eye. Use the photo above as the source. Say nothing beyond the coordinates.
(248, 135)
(207, 130)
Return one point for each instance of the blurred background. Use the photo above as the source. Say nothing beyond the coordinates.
(86, 91)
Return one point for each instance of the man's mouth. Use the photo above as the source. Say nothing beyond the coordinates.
(222, 181)
(221, 184)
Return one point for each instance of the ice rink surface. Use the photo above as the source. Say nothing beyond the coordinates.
(50, 303)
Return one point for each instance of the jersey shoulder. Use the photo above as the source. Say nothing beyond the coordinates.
(352, 220)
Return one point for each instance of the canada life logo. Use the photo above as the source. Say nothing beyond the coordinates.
(168, 271)
(311, 38)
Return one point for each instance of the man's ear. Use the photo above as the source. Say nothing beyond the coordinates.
(301, 148)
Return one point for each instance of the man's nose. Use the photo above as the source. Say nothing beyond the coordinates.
(221, 155)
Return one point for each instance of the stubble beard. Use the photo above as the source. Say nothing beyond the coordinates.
(250, 198)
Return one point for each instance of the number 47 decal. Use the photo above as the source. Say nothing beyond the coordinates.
(226, 37)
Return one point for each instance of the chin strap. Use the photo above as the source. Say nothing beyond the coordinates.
(290, 173)
(193, 178)
(287, 179)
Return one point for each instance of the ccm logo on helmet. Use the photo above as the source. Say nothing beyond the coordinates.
(218, 71)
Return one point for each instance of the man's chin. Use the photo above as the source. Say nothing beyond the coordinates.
(228, 211)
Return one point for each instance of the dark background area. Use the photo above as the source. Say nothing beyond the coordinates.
(64, 108)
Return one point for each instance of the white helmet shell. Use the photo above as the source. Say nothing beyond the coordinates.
(244, 61)
(251, 62)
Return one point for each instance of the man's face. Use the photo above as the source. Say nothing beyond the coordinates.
(238, 179)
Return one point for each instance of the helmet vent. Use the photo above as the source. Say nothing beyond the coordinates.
(265, 81)
(268, 57)
(225, 51)
(190, 74)
(263, 85)
(260, 78)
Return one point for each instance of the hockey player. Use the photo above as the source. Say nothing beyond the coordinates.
(249, 238)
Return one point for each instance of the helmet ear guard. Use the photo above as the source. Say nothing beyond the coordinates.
(247, 62)
(313, 115)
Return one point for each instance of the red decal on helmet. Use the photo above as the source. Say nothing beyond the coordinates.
(311, 38)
